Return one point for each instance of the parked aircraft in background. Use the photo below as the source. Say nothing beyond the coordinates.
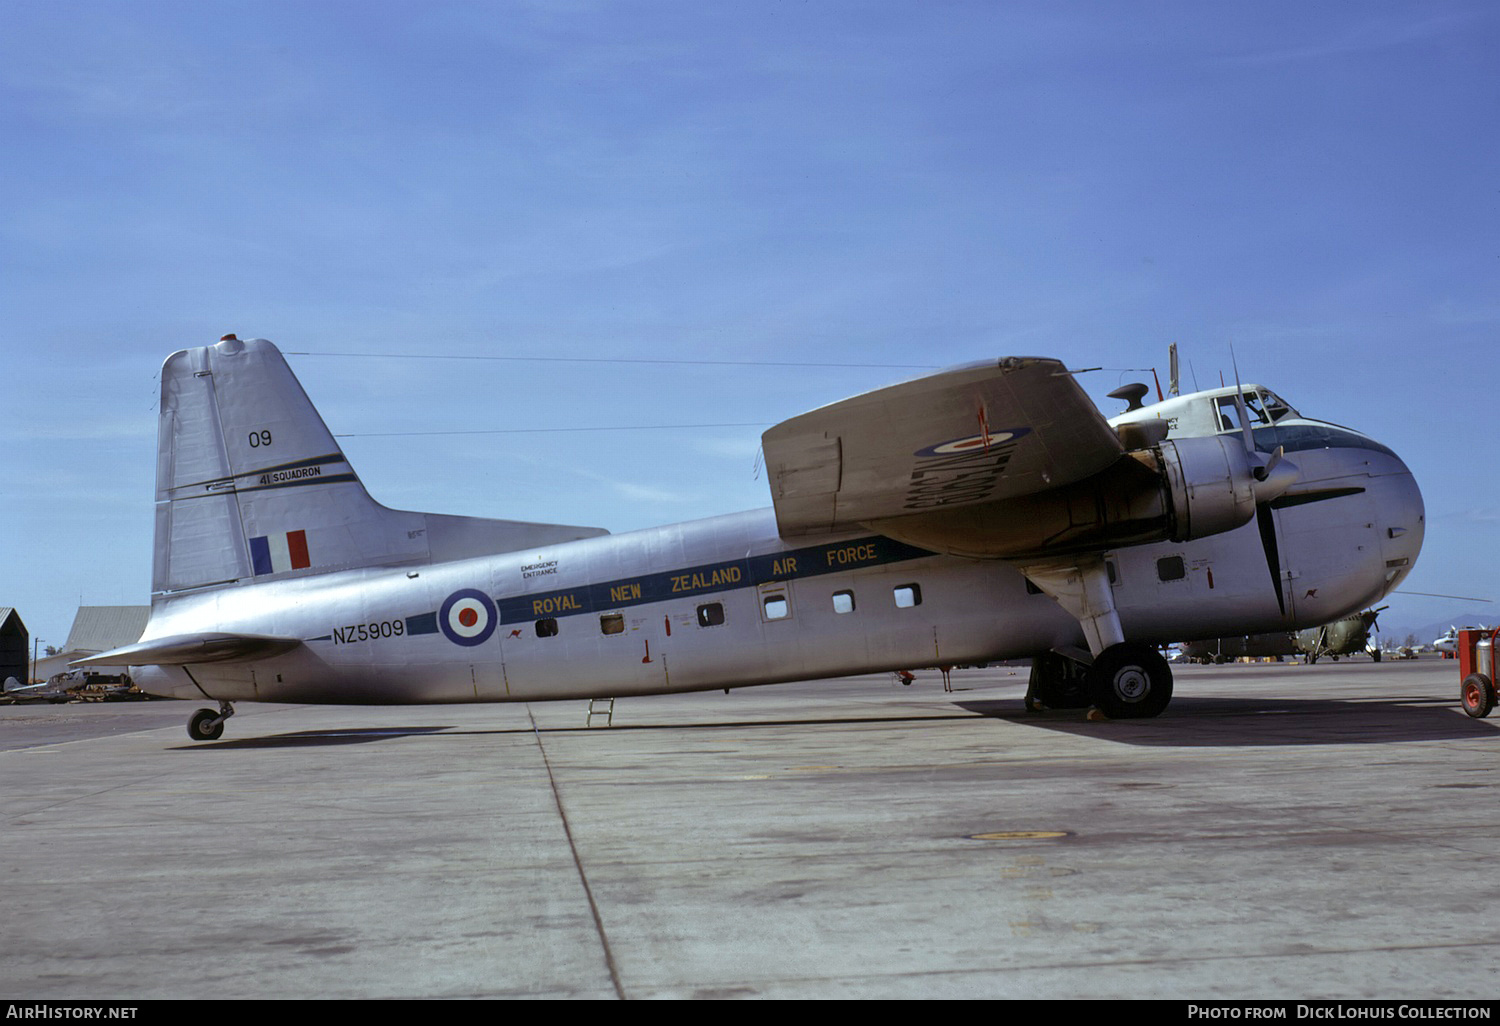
(1447, 642)
(1345, 636)
(44, 691)
(981, 513)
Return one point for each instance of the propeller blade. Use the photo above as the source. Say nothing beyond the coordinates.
(1239, 406)
(1265, 520)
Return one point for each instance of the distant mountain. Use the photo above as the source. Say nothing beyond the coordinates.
(1427, 633)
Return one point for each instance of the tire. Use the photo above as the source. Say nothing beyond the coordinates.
(1130, 682)
(1477, 695)
(198, 727)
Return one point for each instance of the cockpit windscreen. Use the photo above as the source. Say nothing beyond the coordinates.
(1262, 407)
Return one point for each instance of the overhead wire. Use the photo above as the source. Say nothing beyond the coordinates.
(525, 431)
(628, 360)
(593, 359)
(623, 359)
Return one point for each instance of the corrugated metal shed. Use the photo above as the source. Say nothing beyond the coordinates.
(96, 629)
(101, 628)
(13, 641)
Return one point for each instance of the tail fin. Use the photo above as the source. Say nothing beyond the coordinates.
(251, 485)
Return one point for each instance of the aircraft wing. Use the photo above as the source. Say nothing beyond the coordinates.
(187, 649)
(975, 434)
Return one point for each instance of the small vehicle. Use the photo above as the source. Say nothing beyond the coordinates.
(1476, 666)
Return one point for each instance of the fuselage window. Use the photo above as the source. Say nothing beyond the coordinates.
(908, 595)
(711, 614)
(612, 623)
(1170, 568)
(776, 607)
(546, 628)
(843, 602)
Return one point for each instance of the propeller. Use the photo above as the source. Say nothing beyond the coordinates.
(1273, 475)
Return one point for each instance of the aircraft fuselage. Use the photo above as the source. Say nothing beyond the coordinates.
(726, 602)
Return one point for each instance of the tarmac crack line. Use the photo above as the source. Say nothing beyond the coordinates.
(609, 958)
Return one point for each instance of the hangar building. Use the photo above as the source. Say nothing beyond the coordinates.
(13, 641)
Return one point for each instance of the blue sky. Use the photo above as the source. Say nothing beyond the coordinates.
(879, 185)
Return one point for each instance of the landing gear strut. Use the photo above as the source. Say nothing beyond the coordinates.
(1127, 680)
(207, 725)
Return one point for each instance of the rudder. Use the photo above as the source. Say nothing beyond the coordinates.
(251, 484)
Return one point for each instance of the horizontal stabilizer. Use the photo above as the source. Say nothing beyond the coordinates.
(189, 649)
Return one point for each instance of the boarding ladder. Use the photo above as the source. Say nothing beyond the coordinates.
(603, 708)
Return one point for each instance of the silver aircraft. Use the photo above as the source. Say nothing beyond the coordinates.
(982, 513)
(53, 691)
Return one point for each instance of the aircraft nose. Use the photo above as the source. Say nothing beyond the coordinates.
(1404, 520)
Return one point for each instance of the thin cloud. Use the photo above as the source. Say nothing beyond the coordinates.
(1366, 38)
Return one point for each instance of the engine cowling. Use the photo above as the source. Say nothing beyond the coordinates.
(1210, 485)
(1174, 490)
(1214, 484)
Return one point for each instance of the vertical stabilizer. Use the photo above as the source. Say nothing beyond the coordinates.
(250, 484)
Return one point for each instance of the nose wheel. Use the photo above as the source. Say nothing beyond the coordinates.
(207, 725)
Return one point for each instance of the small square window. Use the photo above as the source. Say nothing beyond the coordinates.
(777, 607)
(711, 614)
(1170, 568)
(546, 628)
(612, 623)
(843, 602)
(908, 595)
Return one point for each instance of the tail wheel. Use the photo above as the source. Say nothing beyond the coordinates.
(205, 725)
(1130, 681)
(1477, 695)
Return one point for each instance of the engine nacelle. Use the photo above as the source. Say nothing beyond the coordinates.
(1175, 490)
(1210, 483)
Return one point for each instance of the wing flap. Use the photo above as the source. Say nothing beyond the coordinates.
(971, 435)
(189, 649)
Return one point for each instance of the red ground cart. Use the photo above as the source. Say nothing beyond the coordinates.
(1476, 665)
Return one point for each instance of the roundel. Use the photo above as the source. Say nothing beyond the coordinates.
(467, 617)
(972, 442)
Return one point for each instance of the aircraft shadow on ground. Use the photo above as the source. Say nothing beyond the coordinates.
(1227, 722)
(1190, 722)
(312, 738)
(355, 736)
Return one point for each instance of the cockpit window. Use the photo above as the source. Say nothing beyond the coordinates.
(1261, 408)
(1275, 406)
(1229, 412)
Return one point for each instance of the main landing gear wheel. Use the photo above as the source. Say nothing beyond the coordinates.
(1477, 695)
(207, 725)
(1129, 681)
